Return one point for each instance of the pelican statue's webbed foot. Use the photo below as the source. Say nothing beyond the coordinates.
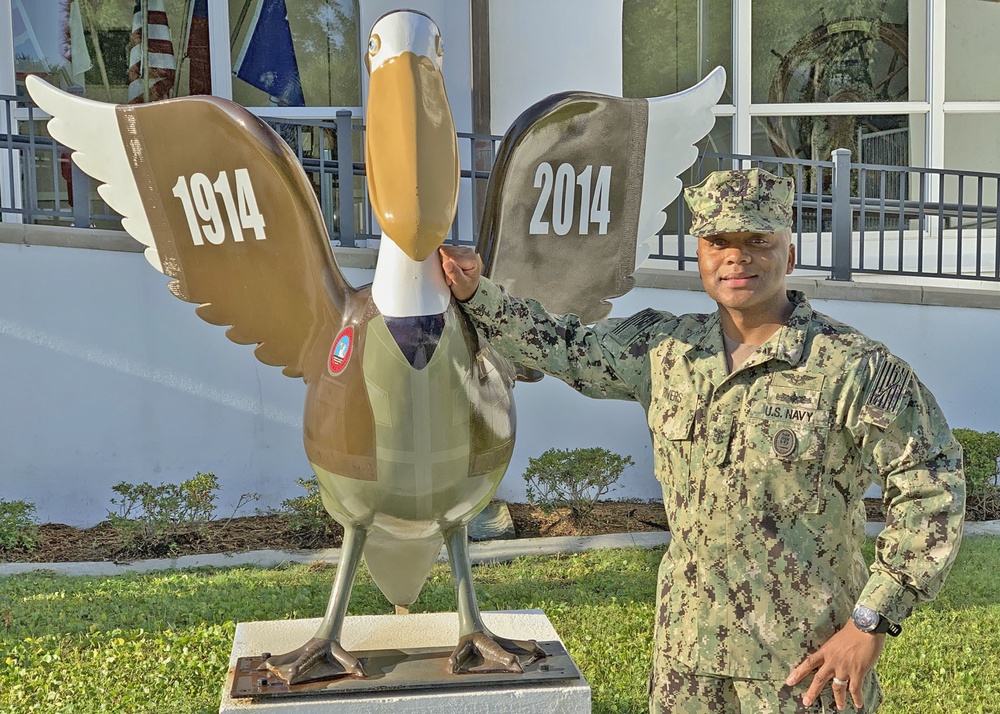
(317, 659)
(482, 651)
(479, 650)
(323, 657)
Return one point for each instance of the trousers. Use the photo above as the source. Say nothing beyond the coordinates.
(672, 692)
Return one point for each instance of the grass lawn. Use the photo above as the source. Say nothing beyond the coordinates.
(161, 642)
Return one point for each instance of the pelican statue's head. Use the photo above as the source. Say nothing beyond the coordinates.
(411, 149)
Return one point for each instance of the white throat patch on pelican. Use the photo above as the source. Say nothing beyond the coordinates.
(404, 287)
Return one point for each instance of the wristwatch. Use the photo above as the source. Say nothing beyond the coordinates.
(867, 620)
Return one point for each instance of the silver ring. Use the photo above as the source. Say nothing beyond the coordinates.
(839, 682)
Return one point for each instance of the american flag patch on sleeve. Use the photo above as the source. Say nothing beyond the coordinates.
(889, 386)
(627, 330)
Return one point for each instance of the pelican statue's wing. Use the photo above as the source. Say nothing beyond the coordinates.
(224, 209)
(578, 191)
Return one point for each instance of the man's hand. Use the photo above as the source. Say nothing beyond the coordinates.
(462, 268)
(847, 656)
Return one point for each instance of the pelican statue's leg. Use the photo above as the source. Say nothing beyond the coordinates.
(322, 657)
(478, 647)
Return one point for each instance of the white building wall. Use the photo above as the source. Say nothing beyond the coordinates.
(971, 47)
(106, 377)
(539, 48)
(972, 140)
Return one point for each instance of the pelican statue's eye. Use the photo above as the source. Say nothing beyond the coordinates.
(439, 45)
(374, 43)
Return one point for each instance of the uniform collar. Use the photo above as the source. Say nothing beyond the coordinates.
(789, 343)
(708, 356)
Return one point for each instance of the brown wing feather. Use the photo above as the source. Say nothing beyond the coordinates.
(578, 191)
(208, 173)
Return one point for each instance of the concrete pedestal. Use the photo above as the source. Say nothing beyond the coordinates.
(401, 632)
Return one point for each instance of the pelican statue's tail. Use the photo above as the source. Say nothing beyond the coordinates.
(400, 567)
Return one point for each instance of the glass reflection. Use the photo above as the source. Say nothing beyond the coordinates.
(668, 46)
(122, 51)
(832, 51)
(295, 52)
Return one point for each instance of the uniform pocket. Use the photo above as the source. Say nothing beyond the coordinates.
(785, 462)
(672, 424)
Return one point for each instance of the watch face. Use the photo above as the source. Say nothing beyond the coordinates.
(865, 619)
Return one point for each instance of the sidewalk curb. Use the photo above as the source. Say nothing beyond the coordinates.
(498, 551)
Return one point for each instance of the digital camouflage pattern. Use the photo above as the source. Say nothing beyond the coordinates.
(763, 473)
(688, 693)
(751, 200)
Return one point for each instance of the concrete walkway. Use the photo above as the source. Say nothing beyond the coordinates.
(497, 551)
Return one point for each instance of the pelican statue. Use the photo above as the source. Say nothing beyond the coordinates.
(409, 421)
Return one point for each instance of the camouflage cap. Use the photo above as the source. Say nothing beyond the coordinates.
(750, 200)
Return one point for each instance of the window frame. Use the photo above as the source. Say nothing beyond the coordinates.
(934, 109)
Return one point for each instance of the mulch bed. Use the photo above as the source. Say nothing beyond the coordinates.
(58, 543)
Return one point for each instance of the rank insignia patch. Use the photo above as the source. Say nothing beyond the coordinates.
(784, 442)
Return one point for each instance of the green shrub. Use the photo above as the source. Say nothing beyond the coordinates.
(574, 479)
(153, 520)
(981, 453)
(306, 515)
(17, 525)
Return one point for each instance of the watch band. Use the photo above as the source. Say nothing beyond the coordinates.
(887, 627)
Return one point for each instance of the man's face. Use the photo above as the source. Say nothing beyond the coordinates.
(746, 271)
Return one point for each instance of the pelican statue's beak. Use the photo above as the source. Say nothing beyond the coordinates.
(411, 149)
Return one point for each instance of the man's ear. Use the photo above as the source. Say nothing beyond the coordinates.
(791, 258)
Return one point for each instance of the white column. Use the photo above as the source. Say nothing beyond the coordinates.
(7, 87)
(935, 95)
(219, 49)
(540, 48)
(742, 79)
(6, 49)
(935, 82)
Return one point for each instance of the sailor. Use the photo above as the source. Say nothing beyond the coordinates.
(769, 422)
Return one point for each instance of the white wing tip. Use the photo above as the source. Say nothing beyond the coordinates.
(714, 84)
(153, 258)
(35, 84)
(53, 100)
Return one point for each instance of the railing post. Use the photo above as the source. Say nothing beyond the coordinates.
(80, 191)
(841, 216)
(345, 175)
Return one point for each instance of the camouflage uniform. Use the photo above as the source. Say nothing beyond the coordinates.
(763, 474)
(755, 201)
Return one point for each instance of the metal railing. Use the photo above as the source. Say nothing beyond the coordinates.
(849, 217)
(871, 218)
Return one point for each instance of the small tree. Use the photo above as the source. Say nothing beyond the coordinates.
(153, 520)
(980, 454)
(307, 516)
(574, 479)
(17, 525)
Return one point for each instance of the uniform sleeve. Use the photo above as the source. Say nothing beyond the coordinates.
(906, 442)
(604, 361)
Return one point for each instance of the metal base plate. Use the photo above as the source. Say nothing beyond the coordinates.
(400, 670)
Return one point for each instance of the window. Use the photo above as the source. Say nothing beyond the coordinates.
(115, 50)
(295, 52)
(844, 51)
(668, 46)
(831, 51)
(874, 139)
